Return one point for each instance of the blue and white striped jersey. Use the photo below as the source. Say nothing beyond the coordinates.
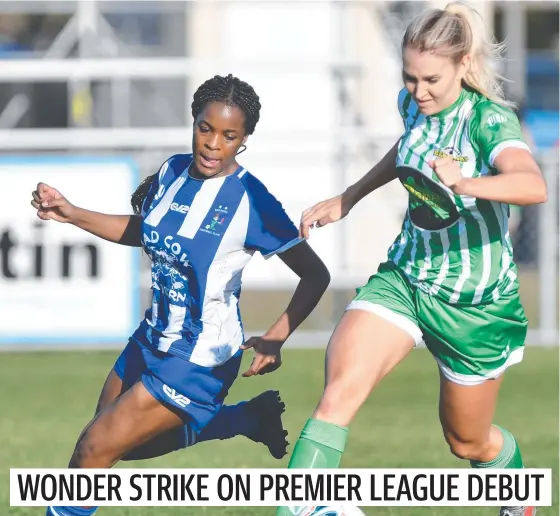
(200, 234)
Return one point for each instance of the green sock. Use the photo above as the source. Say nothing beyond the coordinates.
(320, 445)
(509, 456)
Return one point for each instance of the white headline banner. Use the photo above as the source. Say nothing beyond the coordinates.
(272, 487)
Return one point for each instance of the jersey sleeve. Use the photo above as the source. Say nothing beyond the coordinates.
(494, 128)
(270, 231)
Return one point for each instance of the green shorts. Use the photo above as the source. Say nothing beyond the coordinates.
(470, 343)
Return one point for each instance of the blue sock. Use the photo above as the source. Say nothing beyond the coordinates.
(70, 511)
(230, 421)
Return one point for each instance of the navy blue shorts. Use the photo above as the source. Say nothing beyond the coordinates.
(194, 392)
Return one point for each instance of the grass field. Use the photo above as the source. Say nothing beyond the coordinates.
(47, 398)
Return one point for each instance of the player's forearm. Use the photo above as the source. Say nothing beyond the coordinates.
(381, 174)
(520, 188)
(121, 229)
(309, 291)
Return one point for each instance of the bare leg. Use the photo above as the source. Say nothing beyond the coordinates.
(466, 414)
(362, 351)
(132, 419)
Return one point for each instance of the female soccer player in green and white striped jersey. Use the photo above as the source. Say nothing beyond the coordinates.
(450, 279)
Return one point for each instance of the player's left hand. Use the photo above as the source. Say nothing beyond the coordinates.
(267, 355)
(448, 171)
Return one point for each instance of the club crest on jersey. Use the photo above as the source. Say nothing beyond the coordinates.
(451, 151)
(213, 227)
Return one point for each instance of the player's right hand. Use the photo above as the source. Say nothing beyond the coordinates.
(51, 204)
(323, 213)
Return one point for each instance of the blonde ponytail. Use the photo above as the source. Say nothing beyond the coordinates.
(458, 31)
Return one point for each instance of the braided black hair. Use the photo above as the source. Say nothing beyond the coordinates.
(137, 199)
(231, 91)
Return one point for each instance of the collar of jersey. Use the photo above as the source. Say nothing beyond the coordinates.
(238, 170)
(453, 106)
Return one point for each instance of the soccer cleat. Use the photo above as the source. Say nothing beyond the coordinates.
(268, 408)
(518, 511)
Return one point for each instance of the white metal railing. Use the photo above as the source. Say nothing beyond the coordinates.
(141, 138)
(60, 70)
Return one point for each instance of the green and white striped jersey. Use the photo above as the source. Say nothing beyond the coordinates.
(452, 246)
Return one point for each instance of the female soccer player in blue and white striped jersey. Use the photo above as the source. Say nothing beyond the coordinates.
(200, 218)
(450, 278)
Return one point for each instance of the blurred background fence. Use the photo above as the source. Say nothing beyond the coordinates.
(95, 95)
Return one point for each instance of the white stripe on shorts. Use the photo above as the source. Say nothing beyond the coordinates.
(402, 322)
(515, 357)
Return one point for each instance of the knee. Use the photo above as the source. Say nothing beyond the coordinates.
(467, 449)
(88, 454)
(339, 405)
